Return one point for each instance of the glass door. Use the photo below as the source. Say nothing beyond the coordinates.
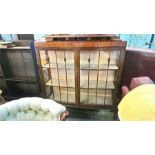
(59, 75)
(97, 76)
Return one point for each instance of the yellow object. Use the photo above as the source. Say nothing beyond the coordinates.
(138, 104)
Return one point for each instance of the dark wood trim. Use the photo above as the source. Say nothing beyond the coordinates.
(119, 75)
(109, 49)
(41, 77)
(82, 44)
(77, 76)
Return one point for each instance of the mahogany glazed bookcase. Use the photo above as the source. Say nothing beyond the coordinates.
(81, 73)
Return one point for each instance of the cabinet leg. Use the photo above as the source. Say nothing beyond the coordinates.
(115, 117)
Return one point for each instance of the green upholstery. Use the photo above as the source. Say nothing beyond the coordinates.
(31, 109)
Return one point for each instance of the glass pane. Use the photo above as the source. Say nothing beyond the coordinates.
(97, 75)
(62, 75)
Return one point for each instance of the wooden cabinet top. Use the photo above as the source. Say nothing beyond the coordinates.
(72, 37)
(81, 44)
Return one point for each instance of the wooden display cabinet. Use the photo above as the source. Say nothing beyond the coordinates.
(19, 76)
(83, 74)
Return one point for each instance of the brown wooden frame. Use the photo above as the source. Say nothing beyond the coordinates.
(78, 47)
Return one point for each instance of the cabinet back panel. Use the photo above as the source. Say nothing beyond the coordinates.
(18, 63)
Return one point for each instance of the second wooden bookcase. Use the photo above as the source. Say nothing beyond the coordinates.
(19, 75)
(82, 74)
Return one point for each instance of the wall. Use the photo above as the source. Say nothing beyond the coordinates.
(138, 40)
(133, 40)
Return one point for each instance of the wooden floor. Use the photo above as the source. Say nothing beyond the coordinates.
(89, 115)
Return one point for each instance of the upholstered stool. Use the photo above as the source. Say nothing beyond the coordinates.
(138, 104)
(32, 109)
(135, 82)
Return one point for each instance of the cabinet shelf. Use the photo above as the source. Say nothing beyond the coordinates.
(16, 47)
(82, 66)
(101, 67)
(100, 99)
(64, 94)
(60, 66)
(22, 79)
(71, 84)
(71, 100)
(84, 84)
(93, 84)
(94, 94)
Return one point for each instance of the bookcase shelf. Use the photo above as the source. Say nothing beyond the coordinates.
(83, 84)
(82, 66)
(62, 83)
(17, 47)
(81, 73)
(24, 79)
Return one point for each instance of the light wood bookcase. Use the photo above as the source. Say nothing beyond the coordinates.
(84, 74)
